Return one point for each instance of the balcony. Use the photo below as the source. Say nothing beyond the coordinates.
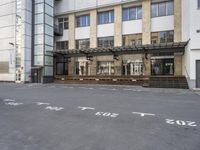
(57, 30)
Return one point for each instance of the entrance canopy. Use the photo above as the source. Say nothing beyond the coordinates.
(178, 47)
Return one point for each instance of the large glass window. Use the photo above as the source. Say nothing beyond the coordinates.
(105, 68)
(83, 21)
(106, 42)
(62, 45)
(106, 17)
(162, 67)
(63, 23)
(162, 37)
(83, 43)
(132, 13)
(132, 39)
(61, 68)
(170, 8)
(162, 9)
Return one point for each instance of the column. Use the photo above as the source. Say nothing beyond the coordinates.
(72, 31)
(146, 22)
(177, 64)
(177, 21)
(93, 28)
(118, 25)
(146, 33)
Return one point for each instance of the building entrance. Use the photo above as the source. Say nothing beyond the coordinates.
(163, 66)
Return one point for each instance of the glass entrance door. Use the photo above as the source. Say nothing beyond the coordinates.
(162, 67)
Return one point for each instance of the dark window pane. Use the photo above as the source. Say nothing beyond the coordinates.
(139, 12)
(125, 14)
(162, 9)
(162, 37)
(154, 10)
(170, 8)
(132, 14)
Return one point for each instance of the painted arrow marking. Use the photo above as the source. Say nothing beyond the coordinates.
(40, 103)
(143, 114)
(86, 108)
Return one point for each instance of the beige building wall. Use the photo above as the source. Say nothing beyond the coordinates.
(146, 33)
(72, 31)
(178, 64)
(177, 20)
(93, 28)
(146, 22)
(118, 25)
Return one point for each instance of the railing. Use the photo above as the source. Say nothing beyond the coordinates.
(57, 30)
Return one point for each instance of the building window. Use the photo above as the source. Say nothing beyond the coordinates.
(83, 21)
(82, 44)
(106, 17)
(162, 37)
(198, 5)
(132, 13)
(162, 67)
(105, 68)
(61, 68)
(63, 23)
(133, 39)
(62, 45)
(162, 9)
(106, 42)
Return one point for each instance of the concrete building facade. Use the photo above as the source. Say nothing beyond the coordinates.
(100, 38)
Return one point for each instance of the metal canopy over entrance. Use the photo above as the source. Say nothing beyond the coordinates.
(178, 47)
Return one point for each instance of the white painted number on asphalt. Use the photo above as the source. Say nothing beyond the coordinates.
(8, 100)
(107, 114)
(143, 114)
(181, 122)
(54, 108)
(85, 108)
(13, 104)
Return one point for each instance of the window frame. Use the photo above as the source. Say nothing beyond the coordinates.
(81, 17)
(167, 13)
(102, 15)
(128, 10)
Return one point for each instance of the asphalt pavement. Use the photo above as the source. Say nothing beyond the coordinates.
(97, 117)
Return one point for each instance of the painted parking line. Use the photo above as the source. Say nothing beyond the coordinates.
(86, 108)
(54, 108)
(143, 114)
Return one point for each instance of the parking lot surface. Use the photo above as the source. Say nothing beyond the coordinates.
(97, 117)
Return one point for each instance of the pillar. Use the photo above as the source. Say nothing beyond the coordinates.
(93, 28)
(118, 25)
(177, 21)
(72, 31)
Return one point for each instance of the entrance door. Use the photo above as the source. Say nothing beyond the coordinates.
(36, 75)
(198, 73)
